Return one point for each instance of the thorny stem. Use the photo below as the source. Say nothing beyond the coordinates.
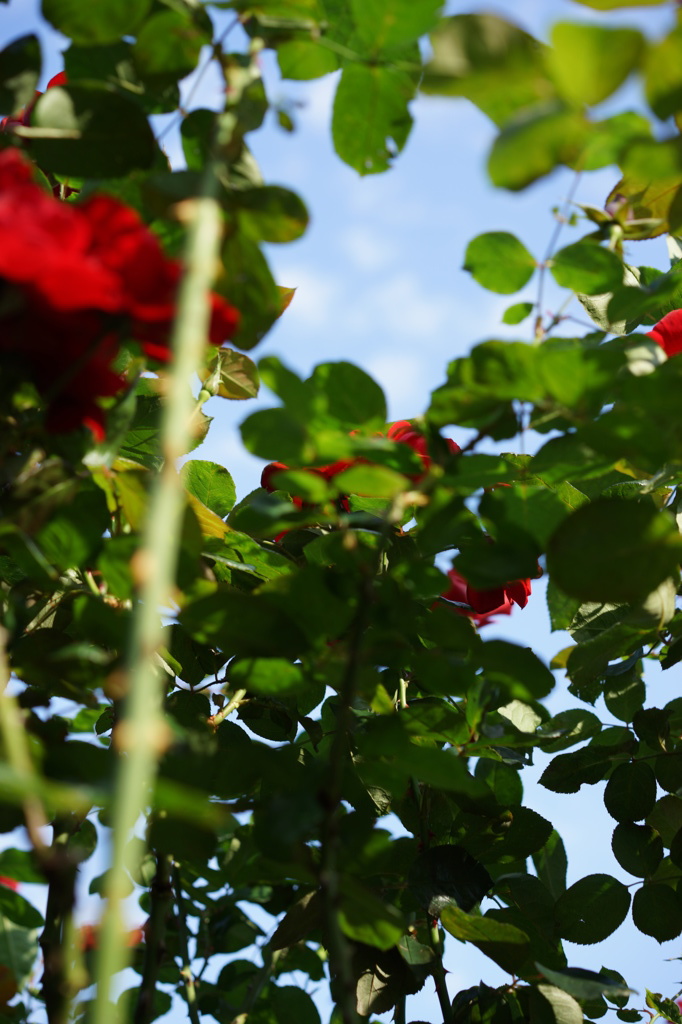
(183, 942)
(339, 951)
(155, 938)
(141, 736)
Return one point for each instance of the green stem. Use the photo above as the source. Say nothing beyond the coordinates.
(439, 973)
(270, 959)
(155, 938)
(183, 943)
(141, 735)
(234, 702)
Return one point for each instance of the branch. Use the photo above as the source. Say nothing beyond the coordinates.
(183, 941)
(60, 870)
(155, 938)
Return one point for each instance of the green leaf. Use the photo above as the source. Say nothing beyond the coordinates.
(517, 668)
(371, 481)
(625, 694)
(563, 1007)
(352, 397)
(103, 22)
(18, 951)
(663, 74)
(20, 65)
(383, 977)
(211, 484)
(589, 62)
(231, 375)
(490, 61)
(551, 865)
(591, 909)
(168, 47)
(90, 131)
(274, 434)
(566, 773)
(303, 59)
(366, 918)
(383, 24)
(583, 984)
(291, 1003)
(610, 139)
(588, 268)
(249, 285)
(570, 728)
(657, 911)
(666, 817)
(17, 909)
(445, 873)
(499, 262)
(614, 550)
(371, 120)
(20, 865)
(271, 213)
(503, 943)
(630, 793)
(267, 677)
(534, 144)
(637, 848)
(516, 313)
(242, 624)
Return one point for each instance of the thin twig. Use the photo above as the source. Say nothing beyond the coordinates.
(561, 220)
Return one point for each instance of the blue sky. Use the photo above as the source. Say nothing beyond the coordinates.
(379, 282)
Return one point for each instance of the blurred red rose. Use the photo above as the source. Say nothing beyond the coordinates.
(484, 604)
(77, 279)
(405, 432)
(668, 333)
(9, 883)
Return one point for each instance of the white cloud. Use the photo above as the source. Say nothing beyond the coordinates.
(367, 249)
(404, 378)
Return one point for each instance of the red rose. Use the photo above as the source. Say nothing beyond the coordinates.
(78, 279)
(405, 432)
(668, 333)
(9, 883)
(484, 604)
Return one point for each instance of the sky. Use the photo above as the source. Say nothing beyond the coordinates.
(379, 282)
